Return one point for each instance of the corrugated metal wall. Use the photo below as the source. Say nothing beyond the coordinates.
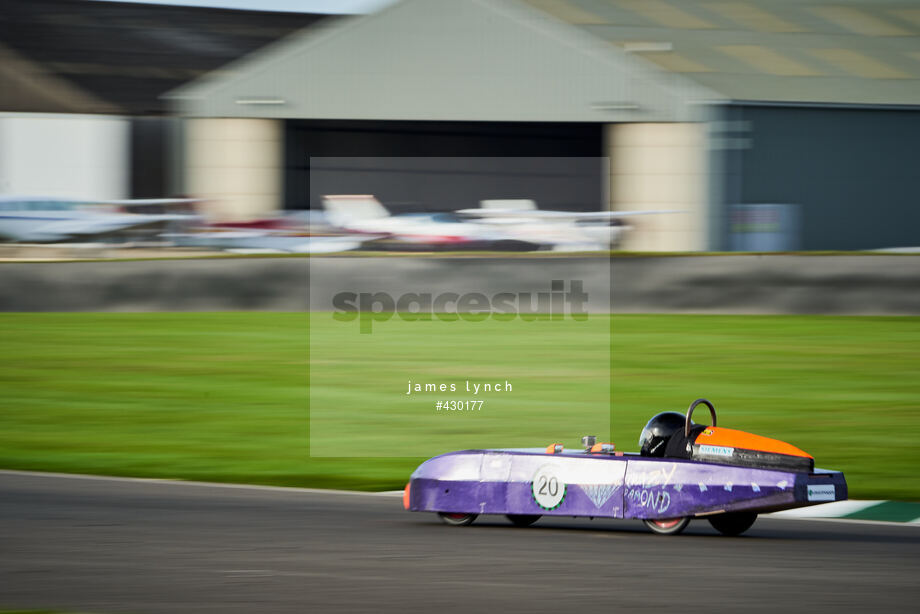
(65, 156)
(854, 172)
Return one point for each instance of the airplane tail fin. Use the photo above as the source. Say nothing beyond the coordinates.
(341, 209)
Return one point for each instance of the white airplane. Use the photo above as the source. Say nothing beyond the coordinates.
(365, 217)
(264, 242)
(298, 232)
(31, 219)
(497, 224)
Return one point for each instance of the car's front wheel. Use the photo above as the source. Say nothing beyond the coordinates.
(523, 520)
(457, 520)
(667, 526)
(734, 523)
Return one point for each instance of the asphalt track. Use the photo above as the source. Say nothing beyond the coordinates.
(95, 545)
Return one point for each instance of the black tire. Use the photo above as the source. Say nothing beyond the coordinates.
(734, 523)
(523, 520)
(457, 520)
(667, 526)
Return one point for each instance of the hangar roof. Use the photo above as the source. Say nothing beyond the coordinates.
(574, 60)
(809, 51)
(449, 60)
(112, 57)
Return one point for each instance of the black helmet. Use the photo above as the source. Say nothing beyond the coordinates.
(658, 431)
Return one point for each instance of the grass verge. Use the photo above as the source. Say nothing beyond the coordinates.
(224, 396)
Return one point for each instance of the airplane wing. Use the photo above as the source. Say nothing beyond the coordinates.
(97, 224)
(539, 214)
(256, 242)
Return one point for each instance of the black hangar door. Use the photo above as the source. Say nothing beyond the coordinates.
(415, 167)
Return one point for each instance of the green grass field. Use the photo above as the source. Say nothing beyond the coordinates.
(226, 396)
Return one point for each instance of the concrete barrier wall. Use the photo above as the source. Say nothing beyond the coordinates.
(276, 284)
(845, 285)
(881, 285)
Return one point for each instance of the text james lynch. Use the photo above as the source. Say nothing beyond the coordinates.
(470, 387)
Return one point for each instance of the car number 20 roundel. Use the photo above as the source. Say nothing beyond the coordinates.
(547, 488)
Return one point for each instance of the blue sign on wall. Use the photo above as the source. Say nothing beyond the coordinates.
(764, 228)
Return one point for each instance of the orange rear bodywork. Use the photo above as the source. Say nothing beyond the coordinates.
(406, 495)
(730, 438)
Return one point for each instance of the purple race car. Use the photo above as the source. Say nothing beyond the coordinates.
(683, 471)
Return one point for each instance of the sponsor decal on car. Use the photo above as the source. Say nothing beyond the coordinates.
(822, 492)
(717, 450)
(599, 493)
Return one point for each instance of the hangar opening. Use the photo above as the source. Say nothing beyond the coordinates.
(380, 157)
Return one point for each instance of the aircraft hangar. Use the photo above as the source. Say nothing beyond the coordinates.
(80, 82)
(704, 107)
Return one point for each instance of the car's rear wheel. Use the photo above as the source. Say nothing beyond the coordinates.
(457, 520)
(734, 523)
(523, 520)
(667, 526)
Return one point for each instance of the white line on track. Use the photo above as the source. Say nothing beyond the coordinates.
(884, 523)
(289, 489)
(833, 509)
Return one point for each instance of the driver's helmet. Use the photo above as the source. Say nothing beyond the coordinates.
(658, 431)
